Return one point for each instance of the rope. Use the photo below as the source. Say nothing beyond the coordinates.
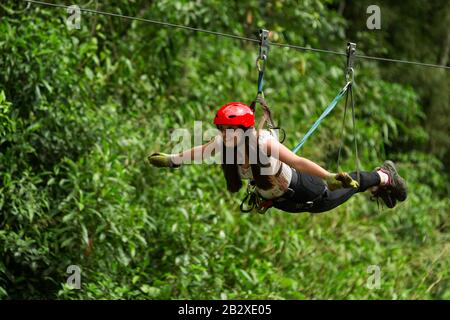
(355, 138)
(342, 133)
(232, 36)
(358, 166)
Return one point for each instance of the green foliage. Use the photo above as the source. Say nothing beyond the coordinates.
(81, 109)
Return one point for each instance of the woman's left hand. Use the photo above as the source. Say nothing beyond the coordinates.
(341, 180)
(162, 160)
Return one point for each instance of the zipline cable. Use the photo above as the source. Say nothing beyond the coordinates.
(167, 24)
(227, 35)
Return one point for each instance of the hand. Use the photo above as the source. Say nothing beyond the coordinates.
(162, 160)
(341, 180)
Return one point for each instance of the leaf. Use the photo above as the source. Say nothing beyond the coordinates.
(89, 73)
(84, 234)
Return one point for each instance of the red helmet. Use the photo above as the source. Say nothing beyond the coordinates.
(235, 114)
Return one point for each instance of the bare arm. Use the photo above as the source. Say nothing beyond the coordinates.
(279, 151)
(201, 152)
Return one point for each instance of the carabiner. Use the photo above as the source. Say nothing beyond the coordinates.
(350, 75)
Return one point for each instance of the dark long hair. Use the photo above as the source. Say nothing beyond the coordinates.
(231, 171)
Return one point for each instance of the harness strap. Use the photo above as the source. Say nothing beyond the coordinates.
(350, 75)
(263, 55)
(325, 113)
(249, 198)
(355, 139)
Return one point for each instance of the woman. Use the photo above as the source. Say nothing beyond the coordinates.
(291, 183)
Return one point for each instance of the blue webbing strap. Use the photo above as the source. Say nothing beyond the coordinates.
(322, 116)
(261, 80)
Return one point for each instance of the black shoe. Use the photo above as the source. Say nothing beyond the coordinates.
(386, 195)
(397, 185)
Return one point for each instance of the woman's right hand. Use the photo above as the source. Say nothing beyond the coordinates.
(162, 160)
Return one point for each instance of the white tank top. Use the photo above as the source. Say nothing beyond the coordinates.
(282, 181)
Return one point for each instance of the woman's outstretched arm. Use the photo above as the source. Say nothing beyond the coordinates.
(198, 153)
(279, 151)
(334, 181)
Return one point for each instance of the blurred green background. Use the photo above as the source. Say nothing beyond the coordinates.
(81, 109)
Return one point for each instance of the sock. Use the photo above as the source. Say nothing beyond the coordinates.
(384, 178)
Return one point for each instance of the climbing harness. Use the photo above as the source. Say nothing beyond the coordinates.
(252, 199)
